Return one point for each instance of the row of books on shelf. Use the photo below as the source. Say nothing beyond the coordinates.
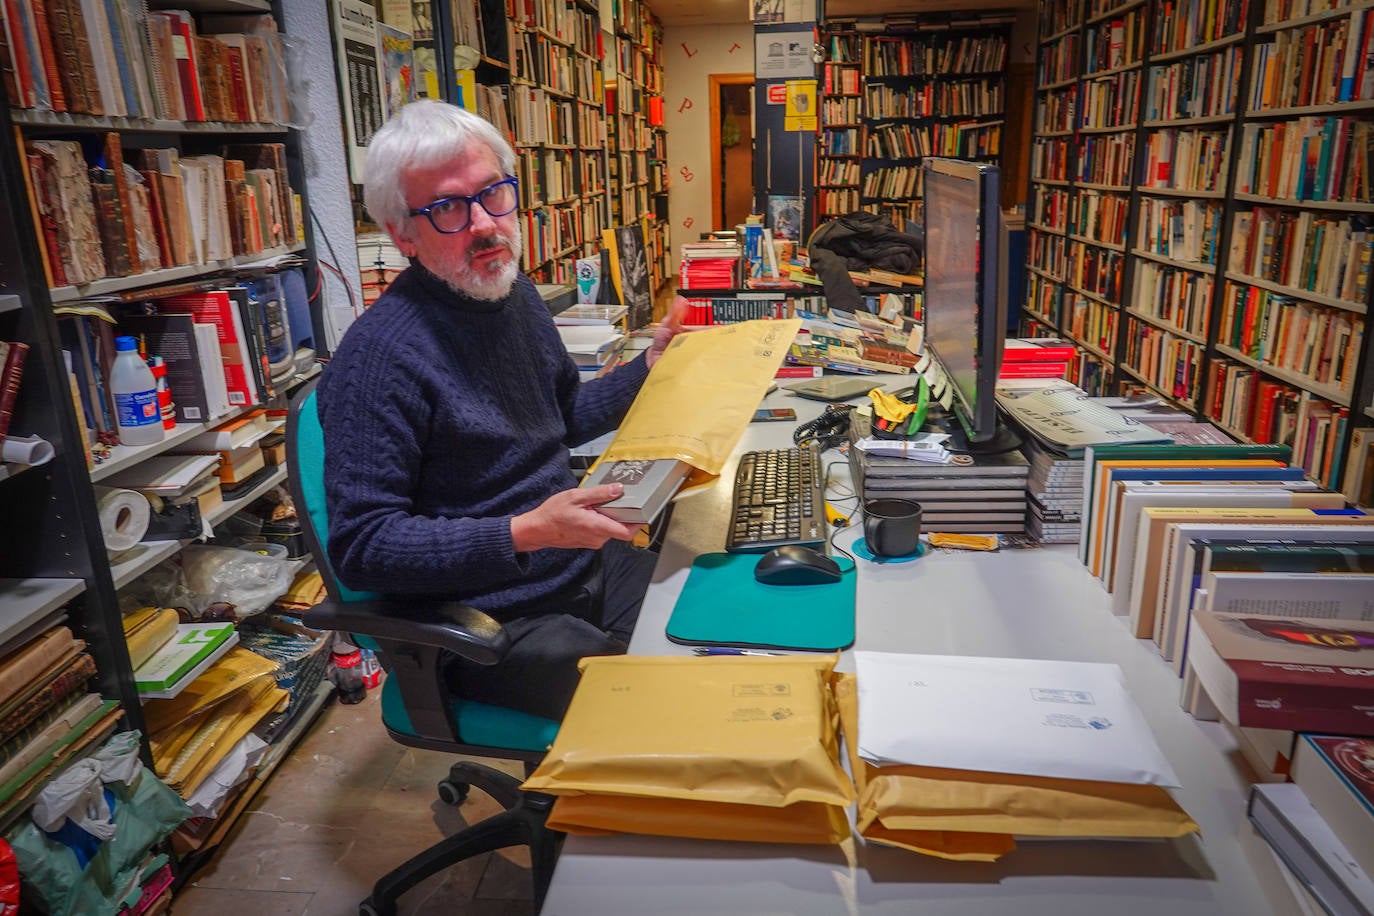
(1181, 230)
(1311, 158)
(115, 59)
(1201, 86)
(1318, 64)
(1263, 409)
(1316, 342)
(48, 715)
(1184, 160)
(107, 218)
(1325, 254)
(219, 349)
(1112, 101)
(1115, 42)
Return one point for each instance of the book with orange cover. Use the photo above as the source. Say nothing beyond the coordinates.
(1100, 484)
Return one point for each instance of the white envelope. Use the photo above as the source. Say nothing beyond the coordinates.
(1069, 720)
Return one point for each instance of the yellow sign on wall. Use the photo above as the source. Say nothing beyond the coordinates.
(800, 113)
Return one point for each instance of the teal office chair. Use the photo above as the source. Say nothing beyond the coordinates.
(412, 638)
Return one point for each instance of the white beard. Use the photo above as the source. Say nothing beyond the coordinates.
(490, 284)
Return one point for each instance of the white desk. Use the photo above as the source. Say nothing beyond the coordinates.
(1025, 603)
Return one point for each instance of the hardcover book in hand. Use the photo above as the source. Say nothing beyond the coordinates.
(649, 485)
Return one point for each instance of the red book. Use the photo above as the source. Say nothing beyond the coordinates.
(215, 307)
(20, 54)
(1030, 349)
(188, 74)
(1290, 673)
(12, 356)
(1033, 369)
(799, 372)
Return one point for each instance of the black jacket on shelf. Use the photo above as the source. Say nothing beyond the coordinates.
(859, 241)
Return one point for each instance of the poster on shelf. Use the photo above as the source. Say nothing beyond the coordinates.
(398, 68)
(358, 55)
(800, 113)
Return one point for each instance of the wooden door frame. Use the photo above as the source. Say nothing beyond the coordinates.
(716, 80)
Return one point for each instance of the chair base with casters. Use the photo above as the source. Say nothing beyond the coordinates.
(413, 638)
(434, 721)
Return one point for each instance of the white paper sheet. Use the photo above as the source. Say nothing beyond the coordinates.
(1070, 720)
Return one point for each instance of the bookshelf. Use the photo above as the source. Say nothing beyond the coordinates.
(539, 78)
(125, 190)
(896, 89)
(636, 139)
(1198, 220)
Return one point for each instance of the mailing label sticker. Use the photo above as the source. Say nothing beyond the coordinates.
(1056, 695)
(762, 690)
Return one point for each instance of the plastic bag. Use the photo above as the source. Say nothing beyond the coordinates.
(63, 883)
(247, 580)
(75, 795)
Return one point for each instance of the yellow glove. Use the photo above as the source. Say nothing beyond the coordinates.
(889, 407)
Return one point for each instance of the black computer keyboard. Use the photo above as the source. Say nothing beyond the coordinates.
(779, 499)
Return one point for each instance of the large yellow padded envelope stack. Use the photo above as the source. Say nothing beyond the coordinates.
(974, 816)
(724, 748)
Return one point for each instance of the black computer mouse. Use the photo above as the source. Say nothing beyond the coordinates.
(796, 565)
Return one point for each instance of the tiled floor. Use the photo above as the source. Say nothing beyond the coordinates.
(345, 806)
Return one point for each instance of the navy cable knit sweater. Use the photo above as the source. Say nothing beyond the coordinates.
(443, 418)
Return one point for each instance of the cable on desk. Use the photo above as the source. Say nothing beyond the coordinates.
(836, 529)
(829, 430)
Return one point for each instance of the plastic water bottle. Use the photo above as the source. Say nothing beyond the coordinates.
(135, 393)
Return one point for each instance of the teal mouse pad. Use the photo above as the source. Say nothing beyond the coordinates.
(722, 604)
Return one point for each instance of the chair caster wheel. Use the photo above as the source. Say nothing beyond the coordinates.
(453, 793)
(368, 908)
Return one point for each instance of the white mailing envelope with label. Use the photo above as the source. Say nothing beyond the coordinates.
(1066, 720)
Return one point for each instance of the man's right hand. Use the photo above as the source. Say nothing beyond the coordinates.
(570, 519)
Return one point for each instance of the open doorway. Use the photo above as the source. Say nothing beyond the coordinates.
(732, 148)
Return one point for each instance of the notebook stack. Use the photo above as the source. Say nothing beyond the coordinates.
(985, 494)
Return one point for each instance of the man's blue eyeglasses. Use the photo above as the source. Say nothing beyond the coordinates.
(453, 214)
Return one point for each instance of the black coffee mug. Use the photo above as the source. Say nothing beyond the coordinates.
(892, 527)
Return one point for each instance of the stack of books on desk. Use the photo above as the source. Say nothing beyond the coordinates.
(1055, 491)
(985, 494)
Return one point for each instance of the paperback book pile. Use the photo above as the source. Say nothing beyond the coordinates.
(1054, 494)
(984, 494)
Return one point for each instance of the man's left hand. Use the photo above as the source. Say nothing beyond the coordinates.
(667, 330)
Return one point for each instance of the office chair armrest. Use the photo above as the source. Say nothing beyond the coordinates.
(448, 625)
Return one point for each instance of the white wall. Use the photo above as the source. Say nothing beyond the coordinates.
(691, 55)
(315, 89)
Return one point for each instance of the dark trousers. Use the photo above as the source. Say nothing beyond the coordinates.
(539, 672)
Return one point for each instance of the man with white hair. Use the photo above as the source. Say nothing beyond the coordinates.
(448, 411)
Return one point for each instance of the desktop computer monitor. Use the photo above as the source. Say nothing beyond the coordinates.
(964, 319)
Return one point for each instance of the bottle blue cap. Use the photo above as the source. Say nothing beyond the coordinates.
(126, 343)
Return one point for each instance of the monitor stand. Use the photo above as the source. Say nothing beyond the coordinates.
(939, 420)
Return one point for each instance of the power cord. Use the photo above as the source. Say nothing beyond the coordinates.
(829, 430)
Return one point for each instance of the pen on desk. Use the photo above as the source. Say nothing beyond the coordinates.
(724, 650)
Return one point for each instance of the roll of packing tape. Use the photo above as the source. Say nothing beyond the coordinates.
(123, 517)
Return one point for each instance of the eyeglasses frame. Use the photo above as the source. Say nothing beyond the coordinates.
(471, 200)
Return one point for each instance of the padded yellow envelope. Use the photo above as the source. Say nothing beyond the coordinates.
(925, 808)
(701, 394)
(803, 822)
(735, 730)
